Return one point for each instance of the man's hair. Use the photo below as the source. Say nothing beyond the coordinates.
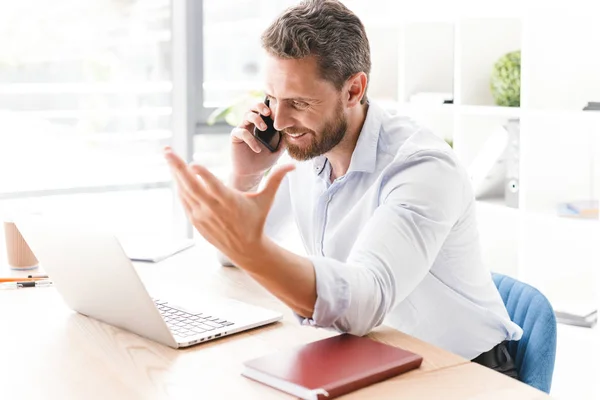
(326, 30)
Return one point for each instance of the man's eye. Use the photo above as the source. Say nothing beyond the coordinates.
(300, 105)
(272, 100)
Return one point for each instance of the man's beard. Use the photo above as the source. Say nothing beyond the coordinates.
(332, 134)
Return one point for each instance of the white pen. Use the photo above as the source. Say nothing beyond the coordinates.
(18, 285)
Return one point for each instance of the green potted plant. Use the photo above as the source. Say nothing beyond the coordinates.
(505, 81)
(233, 113)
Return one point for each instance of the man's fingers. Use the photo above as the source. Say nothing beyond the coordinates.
(175, 162)
(240, 135)
(187, 197)
(213, 184)
(258, 109)
(181, 173)
(261, 108)
(256, 120)
(187, 204)
(187, 181)
(274, 181)
(244, 131)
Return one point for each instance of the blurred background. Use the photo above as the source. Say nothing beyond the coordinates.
(90, 92)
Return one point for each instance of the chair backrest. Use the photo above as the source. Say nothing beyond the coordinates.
(535, 353)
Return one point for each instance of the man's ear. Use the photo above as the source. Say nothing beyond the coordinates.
(356, 87)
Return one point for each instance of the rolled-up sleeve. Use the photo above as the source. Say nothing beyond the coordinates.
(421, 199)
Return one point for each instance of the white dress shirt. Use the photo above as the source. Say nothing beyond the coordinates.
(395, 240)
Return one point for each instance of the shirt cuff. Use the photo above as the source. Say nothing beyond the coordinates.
(333, 293)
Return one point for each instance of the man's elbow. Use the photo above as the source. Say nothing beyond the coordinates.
(368, 312)
(360, 309)
(359, 326)
(362, 331)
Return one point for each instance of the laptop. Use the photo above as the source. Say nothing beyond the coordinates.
(95, 277)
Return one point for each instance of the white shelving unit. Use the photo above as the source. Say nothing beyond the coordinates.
(559, 158)
(559, 142)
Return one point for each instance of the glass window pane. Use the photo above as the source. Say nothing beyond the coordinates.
(85, 93)
(233, 56)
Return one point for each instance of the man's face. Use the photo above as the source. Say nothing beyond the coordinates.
(307, 110)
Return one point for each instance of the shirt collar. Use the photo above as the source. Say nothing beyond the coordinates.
(364, 156)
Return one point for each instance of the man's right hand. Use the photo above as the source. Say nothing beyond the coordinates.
(250, 158)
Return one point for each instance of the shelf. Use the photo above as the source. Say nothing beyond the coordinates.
(405, 107)
(495, 204)
(494, 201)
(492, 111)
(426, 108)
(509, 112)
(590, 116)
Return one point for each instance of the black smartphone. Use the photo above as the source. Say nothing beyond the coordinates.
(270, 137)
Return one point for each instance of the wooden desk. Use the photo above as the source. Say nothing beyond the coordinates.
(48, 351)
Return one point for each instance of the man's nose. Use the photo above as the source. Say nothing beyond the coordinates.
(282, 118)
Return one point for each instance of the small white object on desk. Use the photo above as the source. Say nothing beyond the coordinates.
(577, 314)
(154, 249)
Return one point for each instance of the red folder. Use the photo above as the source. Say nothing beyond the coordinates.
(331, 367)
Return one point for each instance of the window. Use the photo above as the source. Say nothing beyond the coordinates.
(85, 94)
(233, 56)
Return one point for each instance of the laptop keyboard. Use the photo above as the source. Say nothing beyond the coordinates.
(184, 324)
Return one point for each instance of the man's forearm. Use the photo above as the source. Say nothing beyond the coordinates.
(288, 276)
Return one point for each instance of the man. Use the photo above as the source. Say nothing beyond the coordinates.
(384, 209)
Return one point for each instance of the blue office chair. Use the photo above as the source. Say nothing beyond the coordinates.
(535, 353)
